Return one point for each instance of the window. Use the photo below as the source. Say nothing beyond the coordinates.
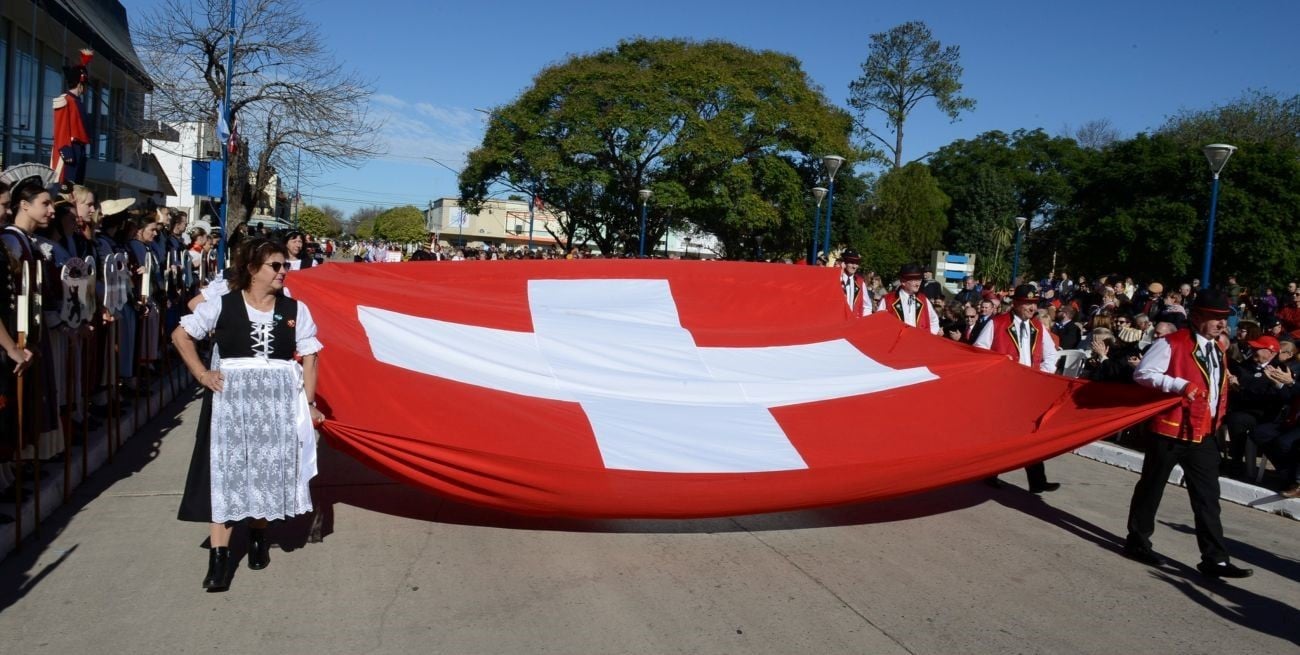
(4, 87)
(52, 85)
(24, 94)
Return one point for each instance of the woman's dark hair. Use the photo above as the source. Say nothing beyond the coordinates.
(291, 235)
(55, 229)
(25, 191)
(249, 256)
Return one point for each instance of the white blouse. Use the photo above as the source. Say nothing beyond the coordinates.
(204, 320)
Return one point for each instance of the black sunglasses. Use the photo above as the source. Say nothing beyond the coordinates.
(276, 266)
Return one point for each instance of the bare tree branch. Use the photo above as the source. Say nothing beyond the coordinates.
(287, 93)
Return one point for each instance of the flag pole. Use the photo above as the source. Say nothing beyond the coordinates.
(225, 108)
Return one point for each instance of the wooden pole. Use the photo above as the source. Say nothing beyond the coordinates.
(22, 435)
(87, 350)
(68, 380)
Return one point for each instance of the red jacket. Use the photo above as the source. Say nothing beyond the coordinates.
(895, 306)
(1191, 420)
(1007, 342)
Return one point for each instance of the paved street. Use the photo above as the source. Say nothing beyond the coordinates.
(385, 569)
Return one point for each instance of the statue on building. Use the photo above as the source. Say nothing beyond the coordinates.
(68, 157)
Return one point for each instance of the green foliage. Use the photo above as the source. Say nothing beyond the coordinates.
(400, 225)
(727, 138)
(905, 66)
(997, 176)
(365, 228)
(1142, 208)
(1256, 117)
(906, 222)
(314, 221)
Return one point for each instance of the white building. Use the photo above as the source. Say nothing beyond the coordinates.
(506, 222)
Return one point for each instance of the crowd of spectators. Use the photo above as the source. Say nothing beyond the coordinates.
(1102, 328)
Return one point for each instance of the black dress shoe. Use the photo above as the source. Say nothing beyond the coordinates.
(259, 549)
(1143, 555)
(1045, 488)
(1223, 570)
(220, 570)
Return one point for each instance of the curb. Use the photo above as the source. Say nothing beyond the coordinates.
(1230, 490)
(96, 458)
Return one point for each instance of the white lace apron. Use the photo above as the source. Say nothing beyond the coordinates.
(263, 445)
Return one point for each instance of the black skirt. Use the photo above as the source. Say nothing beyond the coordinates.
(196, 502)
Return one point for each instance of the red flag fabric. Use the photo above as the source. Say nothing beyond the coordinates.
(626, 388)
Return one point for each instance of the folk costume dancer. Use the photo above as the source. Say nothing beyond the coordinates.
(53, 354)
(68, 156)
(258, 400)
(32, 208)
(908, 304)
(1189, 362)
(855, 289)
(1023, 337)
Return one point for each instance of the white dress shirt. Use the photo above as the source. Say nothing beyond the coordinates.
(911, 305)
(1152, 371)
(1050, 352)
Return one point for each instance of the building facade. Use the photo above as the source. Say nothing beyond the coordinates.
(506, 222)
(38, 38)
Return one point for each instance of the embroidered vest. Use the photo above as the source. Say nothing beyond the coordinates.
(233, 334)
(894, 303)
(1006, 340)
(860, 306)
(1191, 421)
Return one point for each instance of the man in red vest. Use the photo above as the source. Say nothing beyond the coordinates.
(1191, 363)
(855, 290)
(908, 304)
(1021, 336)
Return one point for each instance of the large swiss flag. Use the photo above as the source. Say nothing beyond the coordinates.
(670, 389)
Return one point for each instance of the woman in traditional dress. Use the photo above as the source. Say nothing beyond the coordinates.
(31, 208)
(255, 447)
(297, 259)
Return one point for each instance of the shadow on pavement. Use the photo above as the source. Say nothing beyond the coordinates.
(345, 480)
(16, 571)
(1229, 600)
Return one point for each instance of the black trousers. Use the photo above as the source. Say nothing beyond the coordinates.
(1200, 462)
(1037, 474)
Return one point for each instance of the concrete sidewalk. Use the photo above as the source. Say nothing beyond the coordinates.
(386, 569)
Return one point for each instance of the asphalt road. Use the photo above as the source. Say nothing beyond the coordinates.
(386, 569)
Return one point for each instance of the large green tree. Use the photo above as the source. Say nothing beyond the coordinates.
(726, 138)
(905, 220)
(996, 177)
(1142, 209)
(400, 224)
(1255, 117)
(317, 222)
(905, 66)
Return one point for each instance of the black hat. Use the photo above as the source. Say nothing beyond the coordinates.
(850, 256)
(1025, 293)
(74, 75)
(1177, 319)
(1211, 302)
(911, 271)
(1268, 323)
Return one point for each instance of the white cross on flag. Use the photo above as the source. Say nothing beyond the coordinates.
(670, 389)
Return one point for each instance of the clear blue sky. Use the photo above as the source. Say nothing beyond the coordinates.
(1028, 64)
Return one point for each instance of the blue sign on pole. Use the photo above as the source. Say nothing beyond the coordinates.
(207, 178)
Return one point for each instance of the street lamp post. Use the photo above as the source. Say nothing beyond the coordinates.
(1217, 154)
(819, 193)
(1015, 261)
(832, 164)
(644, 194)
(759, 241)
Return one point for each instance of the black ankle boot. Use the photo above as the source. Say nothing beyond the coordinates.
(220, 570)
(259, 549)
